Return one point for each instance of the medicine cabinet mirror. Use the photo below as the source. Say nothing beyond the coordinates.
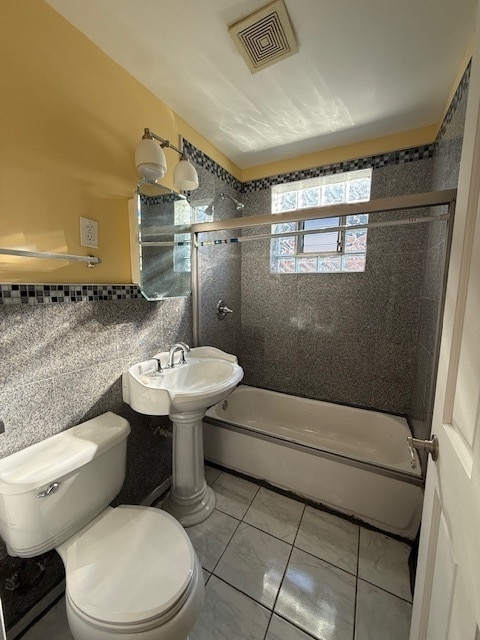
(161, 251)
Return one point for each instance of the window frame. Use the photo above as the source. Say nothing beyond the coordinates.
(341, 251)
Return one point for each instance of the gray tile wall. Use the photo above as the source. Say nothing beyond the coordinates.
(61, 364)
(445, 171)
(219, 266)
(347, 338)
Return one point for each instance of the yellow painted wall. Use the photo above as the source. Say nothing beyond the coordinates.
(70, 119)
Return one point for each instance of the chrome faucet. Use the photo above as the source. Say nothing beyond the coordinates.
(178, 346)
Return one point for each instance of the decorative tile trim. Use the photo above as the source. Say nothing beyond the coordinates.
(202, 160)
(44, 293)
(459, 94)
(160, 199)
(375, 162)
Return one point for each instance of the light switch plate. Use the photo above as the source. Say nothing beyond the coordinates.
(89, 233)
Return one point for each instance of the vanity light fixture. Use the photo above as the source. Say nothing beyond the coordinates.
(152, 165)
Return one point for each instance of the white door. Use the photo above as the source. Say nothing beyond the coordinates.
(447, 595)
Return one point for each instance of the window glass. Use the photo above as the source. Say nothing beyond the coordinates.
(329, 251)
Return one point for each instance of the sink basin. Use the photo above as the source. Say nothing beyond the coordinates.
(207, 377)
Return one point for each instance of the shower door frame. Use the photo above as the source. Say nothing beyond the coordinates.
(381, 205)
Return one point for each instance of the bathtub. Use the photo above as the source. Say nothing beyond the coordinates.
(353, 461)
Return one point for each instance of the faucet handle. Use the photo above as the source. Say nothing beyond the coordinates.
(222, 309)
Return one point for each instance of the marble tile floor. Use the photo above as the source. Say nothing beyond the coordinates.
(277, 569)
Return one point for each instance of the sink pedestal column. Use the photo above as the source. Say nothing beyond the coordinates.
(190, 500)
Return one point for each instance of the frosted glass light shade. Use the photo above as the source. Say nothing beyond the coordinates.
(150, 160)
(185, 177)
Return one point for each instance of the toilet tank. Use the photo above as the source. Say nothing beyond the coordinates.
(52, 489)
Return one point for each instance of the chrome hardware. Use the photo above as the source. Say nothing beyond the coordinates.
(159, 365)
(50, 489)
(222, 309)
(430, 446)
(178, 346)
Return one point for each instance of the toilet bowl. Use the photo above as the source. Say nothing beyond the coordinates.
(134, 572)
(131, 571)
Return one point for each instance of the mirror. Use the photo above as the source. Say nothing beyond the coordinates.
(164, 218)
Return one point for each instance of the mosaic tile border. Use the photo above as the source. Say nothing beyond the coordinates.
(160, 199)
(459, 93)
(202, 160)
(371, 162)
(43, 293)
(376, 161)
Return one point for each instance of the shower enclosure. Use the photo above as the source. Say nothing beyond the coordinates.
(351, 338)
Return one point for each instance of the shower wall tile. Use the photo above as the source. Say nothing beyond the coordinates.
(401, 179)
(434, 271)
(321, 334)
(445, 171)
(219, 266)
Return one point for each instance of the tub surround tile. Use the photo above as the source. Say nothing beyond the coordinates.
(317, 597)
(210, 537)
(275, 514)
(383, 562)
(234, 495)
(227, 613)
(380, 615)
(254, 563)
(329, 538)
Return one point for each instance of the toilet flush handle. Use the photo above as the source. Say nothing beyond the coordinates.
(52, 488)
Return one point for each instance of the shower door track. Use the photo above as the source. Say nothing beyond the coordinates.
(381, 205)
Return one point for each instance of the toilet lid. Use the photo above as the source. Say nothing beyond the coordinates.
(131, 566)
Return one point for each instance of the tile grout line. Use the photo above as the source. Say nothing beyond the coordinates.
(292, 547)
(233, 533)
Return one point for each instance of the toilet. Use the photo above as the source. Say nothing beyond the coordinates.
(131, 571)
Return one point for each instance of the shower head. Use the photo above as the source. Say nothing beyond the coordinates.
(238, 205)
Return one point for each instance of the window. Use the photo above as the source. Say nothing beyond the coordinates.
(340, 249)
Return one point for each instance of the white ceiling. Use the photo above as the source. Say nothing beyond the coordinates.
(365, 69)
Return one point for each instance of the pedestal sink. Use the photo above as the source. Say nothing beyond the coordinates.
(184, 392)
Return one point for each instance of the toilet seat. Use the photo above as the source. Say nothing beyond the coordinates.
(133, 567)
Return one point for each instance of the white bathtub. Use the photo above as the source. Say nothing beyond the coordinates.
(352, 460)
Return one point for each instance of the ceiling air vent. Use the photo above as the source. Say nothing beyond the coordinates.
(265, 36)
